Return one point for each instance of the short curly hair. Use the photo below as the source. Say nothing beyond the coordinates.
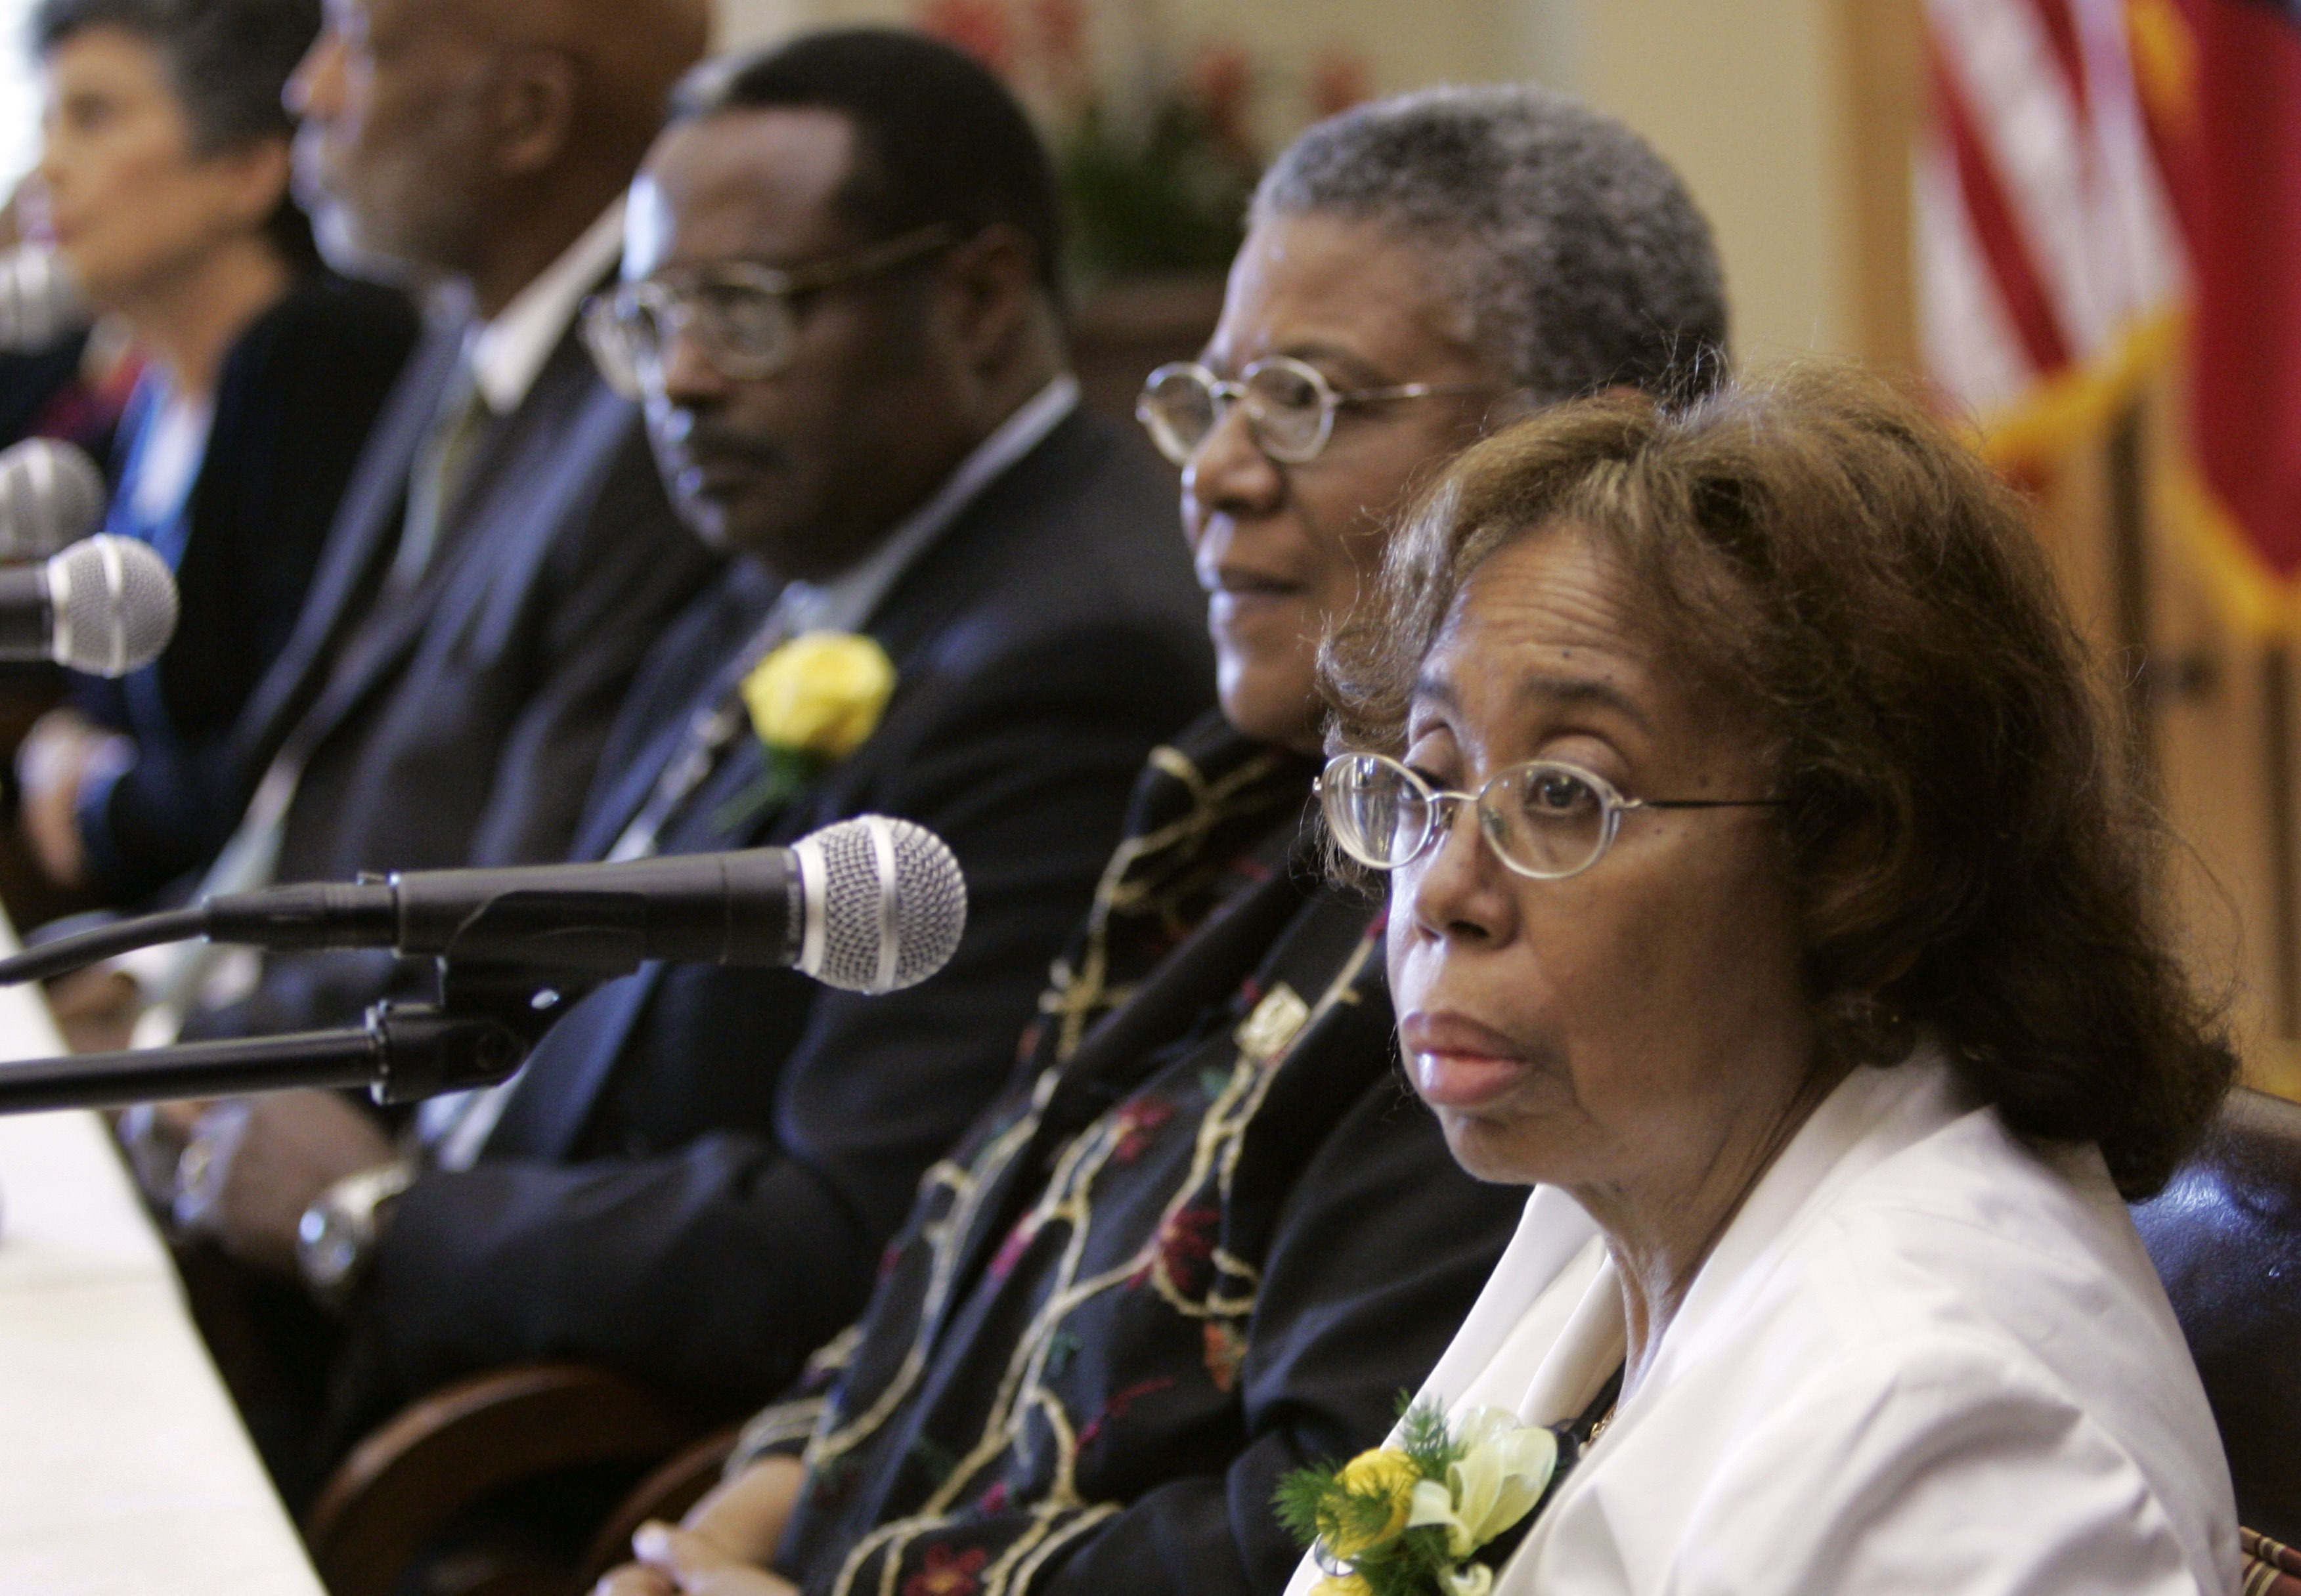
(1577, 253)
(1972, 852)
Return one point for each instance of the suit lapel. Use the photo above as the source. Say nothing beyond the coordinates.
(455, 579)
(365, 522)
(543, 1117)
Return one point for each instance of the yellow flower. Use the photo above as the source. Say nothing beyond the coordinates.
(822, 693)
(1343, 1584)
(1384, 1473)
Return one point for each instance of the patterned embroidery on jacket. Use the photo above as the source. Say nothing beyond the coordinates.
(1200, 829)
(1181, 1262)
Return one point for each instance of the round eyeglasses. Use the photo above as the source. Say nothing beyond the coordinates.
(739, 314)
(1290, 406)
(1545, 820)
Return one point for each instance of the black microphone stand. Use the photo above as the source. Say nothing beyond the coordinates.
(487, 1019)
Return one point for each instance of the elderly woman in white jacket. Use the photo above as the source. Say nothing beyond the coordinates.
(1765, 890)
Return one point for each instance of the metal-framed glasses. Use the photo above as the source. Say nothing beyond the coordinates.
(1546, 819)
(740, 316)
(1290, 406)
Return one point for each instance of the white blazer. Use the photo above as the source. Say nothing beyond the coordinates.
(1923, 1359)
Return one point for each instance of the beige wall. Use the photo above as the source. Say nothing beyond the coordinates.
(1747, 98)
(1744, 99)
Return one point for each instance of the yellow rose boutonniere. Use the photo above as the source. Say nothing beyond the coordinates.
(813, 702)
(821, 694)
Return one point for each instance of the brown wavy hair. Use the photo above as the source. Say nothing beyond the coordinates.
(1973, 851)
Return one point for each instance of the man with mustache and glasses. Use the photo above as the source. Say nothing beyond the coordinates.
(839, 309)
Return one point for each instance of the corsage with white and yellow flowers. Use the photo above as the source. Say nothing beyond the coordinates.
(812, 702)
(1411, 1518)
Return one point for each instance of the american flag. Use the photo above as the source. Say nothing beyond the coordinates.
(2106, 185)
(2048, 243)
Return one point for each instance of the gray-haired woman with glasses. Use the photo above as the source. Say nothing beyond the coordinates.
(1765, 892)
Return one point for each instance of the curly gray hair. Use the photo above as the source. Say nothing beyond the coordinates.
(1576, 252)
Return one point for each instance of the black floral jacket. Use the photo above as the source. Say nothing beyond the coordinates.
(1207, 1238)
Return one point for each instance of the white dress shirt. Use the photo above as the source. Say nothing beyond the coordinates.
(507, 353)
(1922, 1358)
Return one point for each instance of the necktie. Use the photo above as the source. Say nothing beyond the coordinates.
(456, 1125)
(442, 463)
(710, 732)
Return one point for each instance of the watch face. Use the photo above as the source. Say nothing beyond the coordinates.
(329, 1245)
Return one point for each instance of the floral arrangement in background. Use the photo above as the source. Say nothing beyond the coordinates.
(1158, 141)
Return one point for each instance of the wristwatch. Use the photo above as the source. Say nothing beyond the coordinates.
(336, 1238)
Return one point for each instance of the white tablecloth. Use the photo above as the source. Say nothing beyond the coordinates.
(123, 1467)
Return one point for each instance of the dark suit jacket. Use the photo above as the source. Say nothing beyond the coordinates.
(459, 722)
(695, 1176)
(298, 394)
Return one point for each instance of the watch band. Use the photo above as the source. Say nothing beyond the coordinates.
(336, 1238)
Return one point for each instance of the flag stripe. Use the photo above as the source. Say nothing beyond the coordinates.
(2060, 27)
(2019, 284)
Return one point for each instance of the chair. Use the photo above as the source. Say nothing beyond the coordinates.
(408, 1489)
(2225, 1235)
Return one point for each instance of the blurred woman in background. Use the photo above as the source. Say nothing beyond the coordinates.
(165, 169)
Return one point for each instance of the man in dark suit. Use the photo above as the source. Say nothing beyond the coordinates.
(841, 300)
(505, 554)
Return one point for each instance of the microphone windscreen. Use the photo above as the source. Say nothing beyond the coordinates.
(51, 494)
(886, 904)
(38, 303)
(115, 606)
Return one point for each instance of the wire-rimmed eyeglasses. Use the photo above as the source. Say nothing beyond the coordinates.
(1290, 406)
(1544, 819)
(739, 314)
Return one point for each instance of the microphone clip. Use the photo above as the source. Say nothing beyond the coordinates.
(487, 1019)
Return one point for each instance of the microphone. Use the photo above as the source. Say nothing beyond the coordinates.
(105, 606)
(869, 905)
(38, 303)
(50, 495)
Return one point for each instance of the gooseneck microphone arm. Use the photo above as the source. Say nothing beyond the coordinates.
(64, 954)
(486, 1021)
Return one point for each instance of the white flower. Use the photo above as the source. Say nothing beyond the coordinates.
(1504, 1469)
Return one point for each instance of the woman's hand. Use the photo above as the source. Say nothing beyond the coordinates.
(745, 1515)
(674, 1562)
(726, 1538)
(54, 758)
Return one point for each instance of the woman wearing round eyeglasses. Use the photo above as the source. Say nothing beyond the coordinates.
(1764, 889)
